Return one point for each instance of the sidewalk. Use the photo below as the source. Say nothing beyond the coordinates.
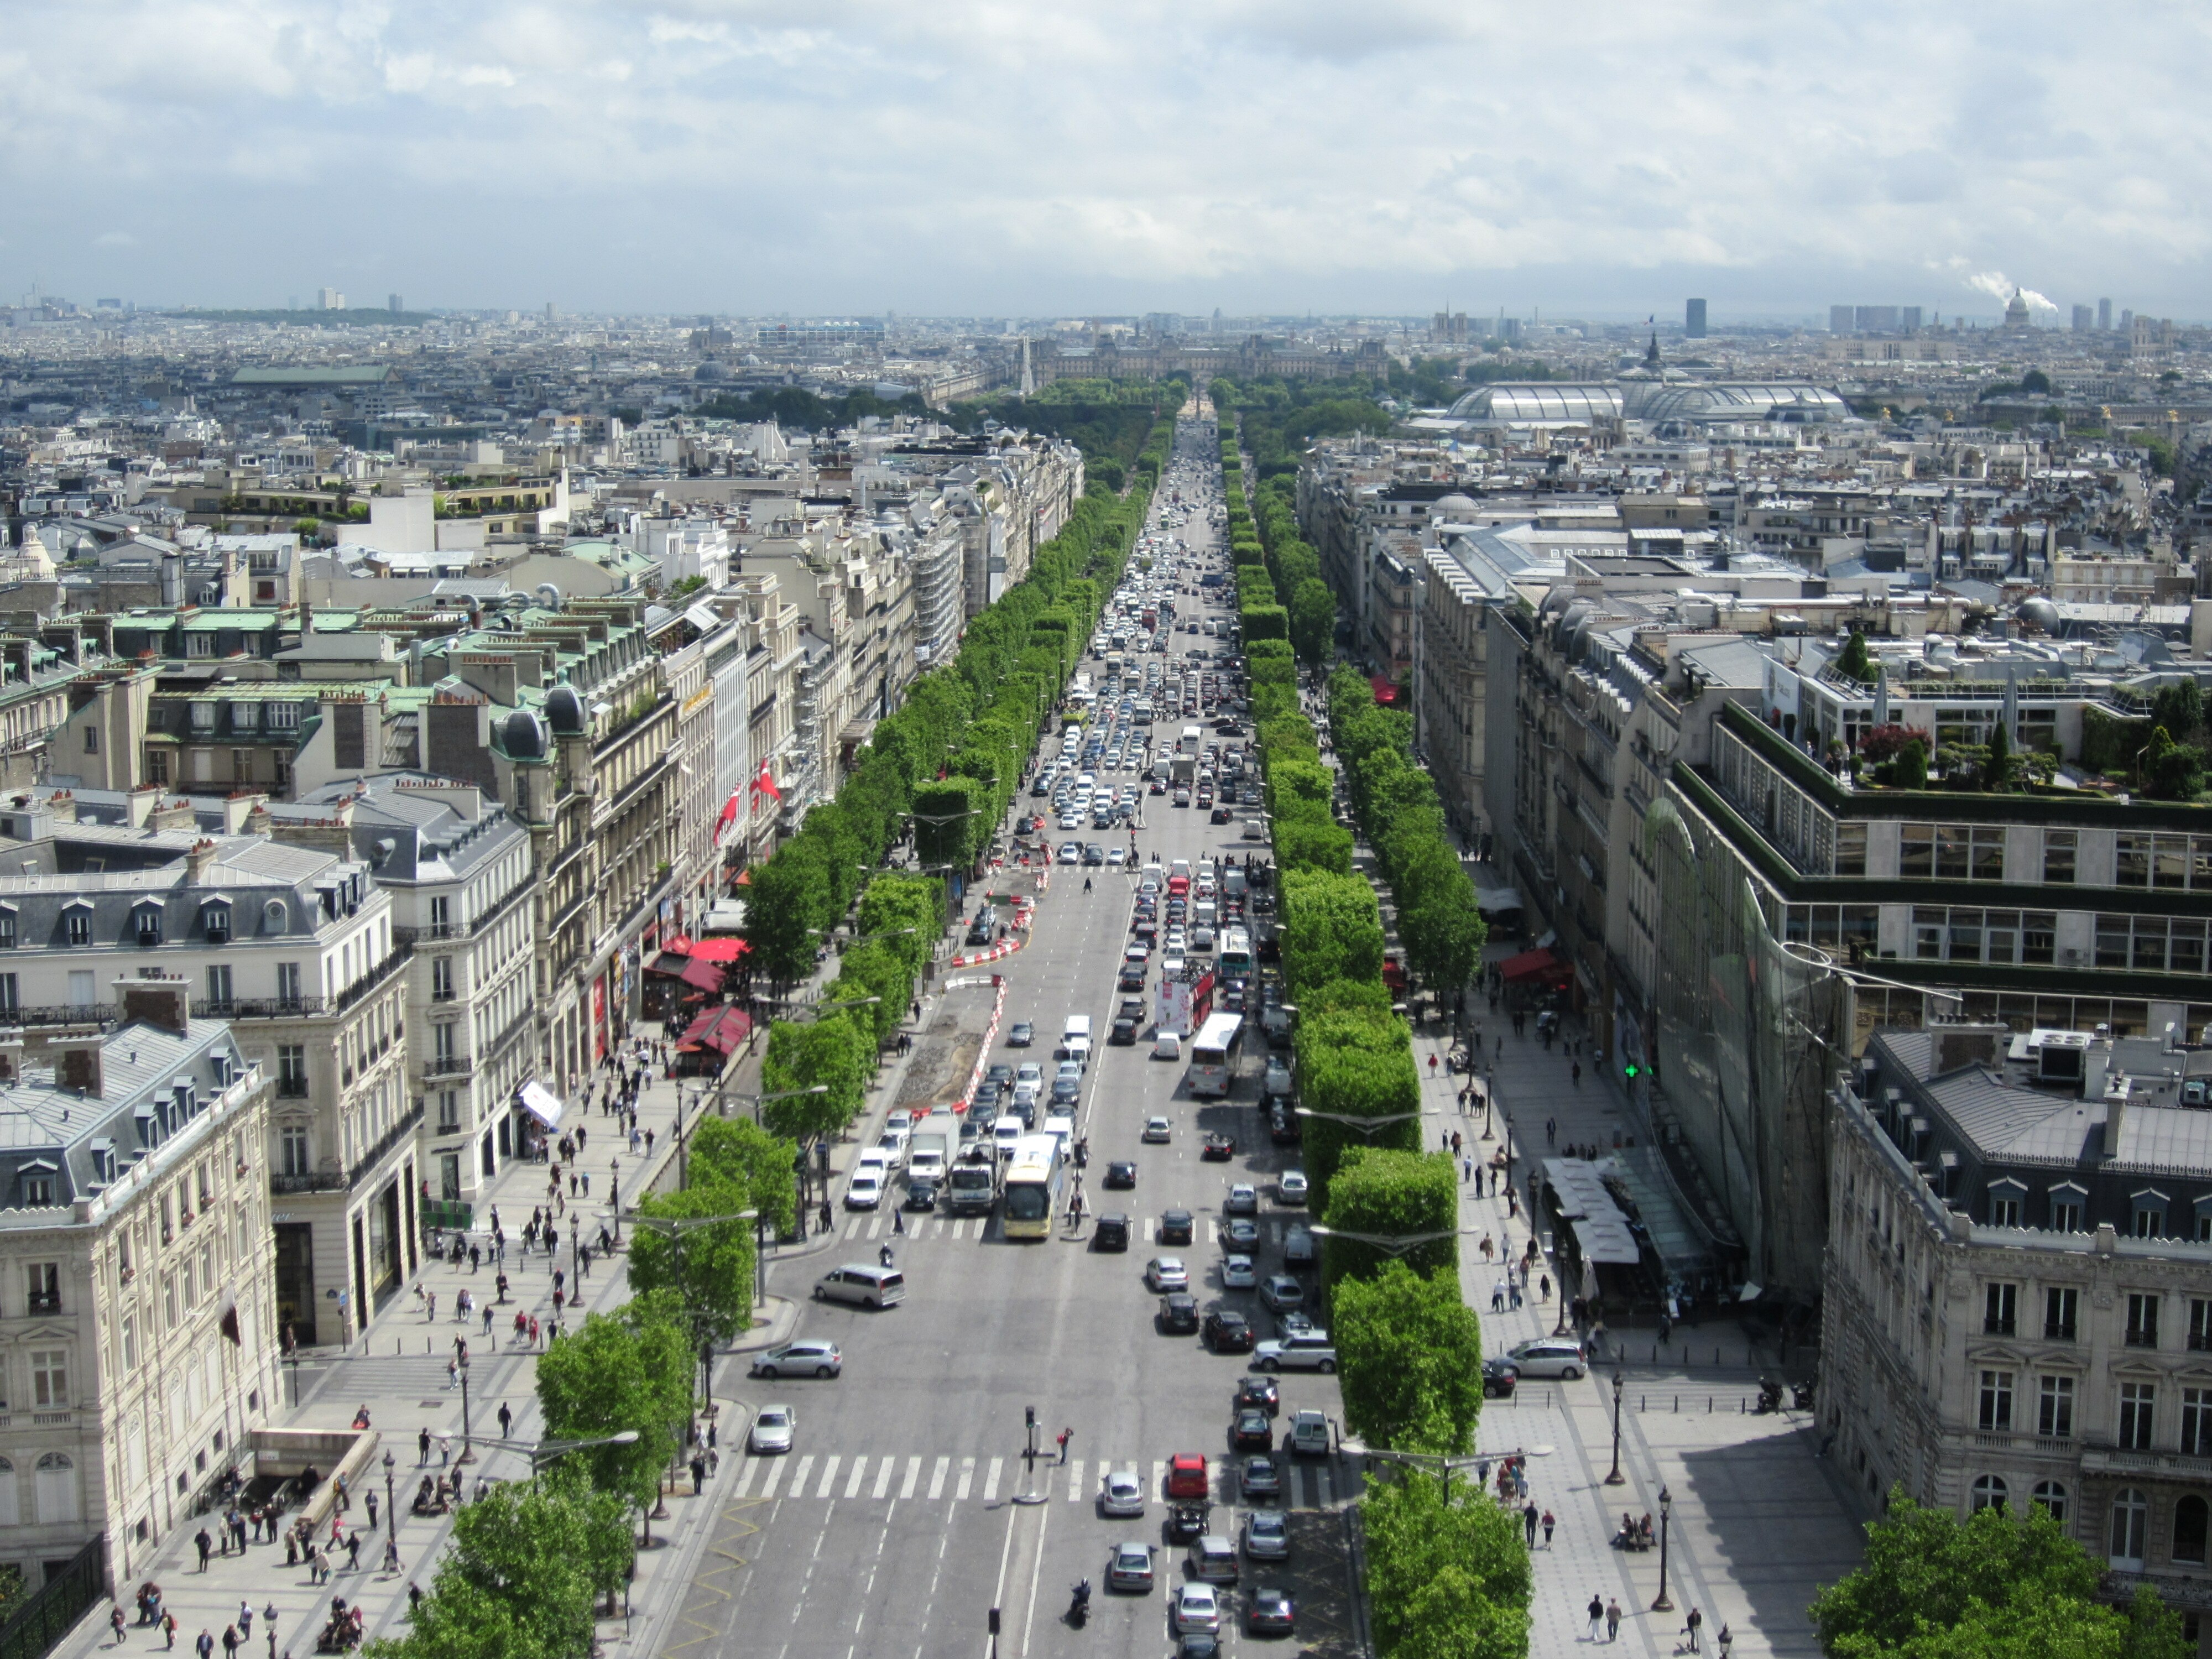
(395, 1368)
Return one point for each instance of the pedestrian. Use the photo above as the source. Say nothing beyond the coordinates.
(489, 1313)
(1466, 1170)
(204, 1544)
(205, 1645)
(1612, 1619)
(244, 1621)
(353, 1551)
(371, 1501)
(391, 1555)
(1692, 1627)
(1597, 1616)
(698, 1475)
(1548, 1524)
(1528, 1524)
(1551, 1132)
(168, 1622)
(1544, 1287)
(430, 1301)
(1497, 1296)
(898, 1220)
(505, 1421)
(1066, 1435)
(445, 1460)
(115, 1622)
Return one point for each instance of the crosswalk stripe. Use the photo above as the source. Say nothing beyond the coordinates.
(967, 1478)
(886, 1468)
(1327, 1489)
(937, 1478)
(875, 1226)
(912, 1475)
(1150, 1225)
(774, 1474)
(853, 1486)
(1298, 1486)
(1074, 1480)
(991, 1481)
(1159, 1487)
(799, 1476)
(828, 1476)
(745, 1475)
(852, 1226)
(1212, 1230)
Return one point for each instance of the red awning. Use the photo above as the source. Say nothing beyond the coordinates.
(669, 962)
(1538, 963)
(1385, 689)
(718, 949)
(722, 1030)
(704, 975)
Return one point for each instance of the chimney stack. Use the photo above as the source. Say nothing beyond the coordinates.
(77, 1067)
(163, 1002)
(199, 860)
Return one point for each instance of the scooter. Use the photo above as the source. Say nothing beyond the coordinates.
(1769, 1397)
(1079, 1609)
(1801, 1396)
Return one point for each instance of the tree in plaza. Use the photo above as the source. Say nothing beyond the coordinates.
(1389, 1193)
(1409, 1353)
(872, 968)
(708, 1266)
(1326, 847)
(1354, 1063)
(1936, 1587)
(629, 1370)
(1444, 933)
(789, 898)
(736, 1153)
(1447, 1570)
(1313, 620)
(831, 1051)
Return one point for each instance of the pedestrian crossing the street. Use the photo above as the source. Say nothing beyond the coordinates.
(869, 1477)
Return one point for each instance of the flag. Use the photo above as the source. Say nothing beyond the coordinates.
(729, 818)
(765, 784)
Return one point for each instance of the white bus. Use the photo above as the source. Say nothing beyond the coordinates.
(1031, 1190)
(1213, 1056)
(1233, 956)
(1192, 741)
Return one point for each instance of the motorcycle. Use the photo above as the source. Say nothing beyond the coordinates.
(1079, 1609)
(1801, 1396)
(1769, 1398)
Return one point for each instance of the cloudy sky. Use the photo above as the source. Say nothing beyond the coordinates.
(1037, 157)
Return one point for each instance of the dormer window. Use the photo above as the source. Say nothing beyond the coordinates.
(146, 923)
(215, 917)
(7, 928)
(34, 1180)
(204, 714)
(275, 916)
(2149, 1208)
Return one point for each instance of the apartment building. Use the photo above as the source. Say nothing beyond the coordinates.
(137, 1289)
(2019, 1305)
(294, 946)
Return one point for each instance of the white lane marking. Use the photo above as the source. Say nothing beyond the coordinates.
(745, 1477)
(828, 1476)
(1298, 1492)
(912, 1475)
(852, 1226)
(1327, 1488)
(1074, 1480)
(885, 1468)
(774, 1474)
(798, 1475)
(853, 1486)
(1160, 1478)
(875, 1226)
(991, 1481)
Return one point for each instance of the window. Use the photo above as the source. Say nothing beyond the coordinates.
(50, 1379)
(2066, 1210)
(2192, 1518)
(441, 979)
(11, 995)
(1850, 849)
(283, 716)
(2000, 1309)
(292, 1149)
(2200, 1324)
(1916, 851)
(242, 765)
(2054, 1407)
(80, 929)
(55, 1483)
(147, 921)
(6, 930)
(1988, 1493)
(2050, 1497)
(2004, 1207)
(441, 1044)
(2142, 1320)
(216, 920)
(2060, 848)
(2131, 860)
(2131, 1527)
(449, 1110)
(129, 1340)
(1996, 1402)
(37, 1188)
(157, 766)
(441, 916)
(2150, 1218)
(91, 740)
(2039, 937)
(1969, 853)
(287, 981)
(218, 984)
(291, 1069)
(45, 1287)
(2197, 1422)
(2139, 1405)
(2059, 1307)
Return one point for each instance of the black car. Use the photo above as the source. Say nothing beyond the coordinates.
(920, 1193)
(1228, 1331)
(1252, 1431)
(1121, 1173)
(1132, 978)
(1179, 1313)
(1221, 815)
(999, 1073)
(1265, 1392)
(1220, 1146)
(1110, 1232)
(1282, 1125)
(1123, 1033)
(1175, 1227)
(1500, 1378)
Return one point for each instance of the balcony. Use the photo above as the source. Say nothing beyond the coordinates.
(447, 1066)
(292, 1088)
(2171, 1465)
(339, 1180)
(83, 1013)
(258, 1007)
(373, 980)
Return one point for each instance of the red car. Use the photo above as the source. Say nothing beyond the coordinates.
(1187, 1477)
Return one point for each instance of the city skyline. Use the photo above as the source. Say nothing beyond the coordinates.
(697, 157)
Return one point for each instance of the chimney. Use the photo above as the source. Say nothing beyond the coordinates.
(199, 862)
(62, 804)
(237, 809)
(163, 1002)
(77, 1065)
(177, 814)
(138, 806)
(1958, 1046)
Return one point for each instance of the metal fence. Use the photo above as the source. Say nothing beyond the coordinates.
(56, 1605)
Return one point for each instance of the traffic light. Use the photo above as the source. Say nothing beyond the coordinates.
(1028, 1416)
(1631, 1070)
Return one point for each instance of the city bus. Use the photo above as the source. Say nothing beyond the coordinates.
(1213, 1056)
(1233, 959)
(1031, 1192)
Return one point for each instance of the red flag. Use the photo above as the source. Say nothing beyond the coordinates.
(729, 816)
(765, 783)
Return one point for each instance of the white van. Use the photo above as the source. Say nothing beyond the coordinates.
(863, 1284)
(1168, 1045)
(1075, 1039)
(1006, 1132)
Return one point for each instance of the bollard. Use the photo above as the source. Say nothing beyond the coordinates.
(1717, 1354)
(1678, 1405)
(1709, 1405)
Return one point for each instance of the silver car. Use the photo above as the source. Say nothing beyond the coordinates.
(1237, 1273)
(1166, 1273)
(1122, 1495)
(1267, 1536)
(803, 1358)
(772, 1429)
(1131, 1568)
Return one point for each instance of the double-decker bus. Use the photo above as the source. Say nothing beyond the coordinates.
(1030, 1193)
(1213, 1056)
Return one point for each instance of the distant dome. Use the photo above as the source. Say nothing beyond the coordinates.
(523, 736)
(1447, 506)
(2041, 613)
(564, 711)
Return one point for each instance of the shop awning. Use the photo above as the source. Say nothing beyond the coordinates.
(1385, 689)
(1537, 964)
(671, 963)
(1496, 901)
(722, 1030)
(717, 949)
(703, 974)
(540, 1102)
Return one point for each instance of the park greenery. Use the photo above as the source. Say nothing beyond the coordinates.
(1448, 1574)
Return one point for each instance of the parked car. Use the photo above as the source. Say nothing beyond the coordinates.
(1500, 1378)
(1258, 1479)
(1269, 1612)
(1228, 1331)
(1549, 1356)
(1267, 1536)
(772, 1430)
(810, 1357)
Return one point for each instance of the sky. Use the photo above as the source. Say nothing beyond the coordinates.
(1053, 157)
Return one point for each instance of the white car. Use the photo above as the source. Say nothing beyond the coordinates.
(1197, 1607)
(1550, 1356)
(1122, 1495)
(773, 1428)
(863, 1191)
(1237, 1273)
(1166, 1273)
(1117, 855)
(1290, 1187)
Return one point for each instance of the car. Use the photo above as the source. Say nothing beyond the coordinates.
(1267, 1536)
(1219, 1147)
(1294, 1322)
(1269, 1612)
(1237, 1273)
(1260, 1390)
(1308, 1436)
(921, 1193)
(1291, 1187)
(1182, 798)
(1030, 1072)
(1298, 1249)
(1166, 1273)
(1070, 852)
(1176, 1227)
(1095, 854)
(1121, 1173)
(772, 1430)
(1132, 977)
(810, 1357)
(1117, 855)
(1122, 1495)
(1282, 1125)
(1549, 1356)
(1110, 1232)
(1500, 1378)
(1241, 1232)
(1021, 1034)
(1122, 1034)
(1196, 1607)
(1157, 1132)
(1228, 1331)
(900, 1120)
(1308, 1351)
(1277, 1081)
(1251, 1429)
(1178, 1314)
(1258, 1478)
(1188, 1478)
(1130, 1567)
(1221, 815)
(864, 1191)
(1066, 1091)
(1198, 1644)
(1243, 1199)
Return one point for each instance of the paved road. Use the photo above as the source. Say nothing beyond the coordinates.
(891, 1524)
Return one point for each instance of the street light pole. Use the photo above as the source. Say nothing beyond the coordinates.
(1616, 1478)
(466, 1456)
(1666, 1506)
(391, 1508)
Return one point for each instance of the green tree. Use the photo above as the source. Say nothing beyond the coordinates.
(736, 1153)
(831, 1051)
(630, 1370)
(2179, 707)
(1444, 933)
(1313, 620)
(1330, 928)
(789, 899)
(708, 1265)
(1447, 1572)
(1392, 1194)
(1410, 1354)
(1853, 659)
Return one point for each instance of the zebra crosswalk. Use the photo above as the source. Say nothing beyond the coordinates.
(862, 1225)
(902, 1476)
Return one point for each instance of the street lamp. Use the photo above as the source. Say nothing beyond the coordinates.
(1666, 1505)
(542, 1452)
(1366, 1126)
(466, 1456)
(758, 1101)
(1394, 1244)
(391, 1510)
(1437, 1460)
(1617, 1479)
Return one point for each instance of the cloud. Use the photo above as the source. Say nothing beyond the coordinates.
(990, 155)
(115, 238)
(2000, 287)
